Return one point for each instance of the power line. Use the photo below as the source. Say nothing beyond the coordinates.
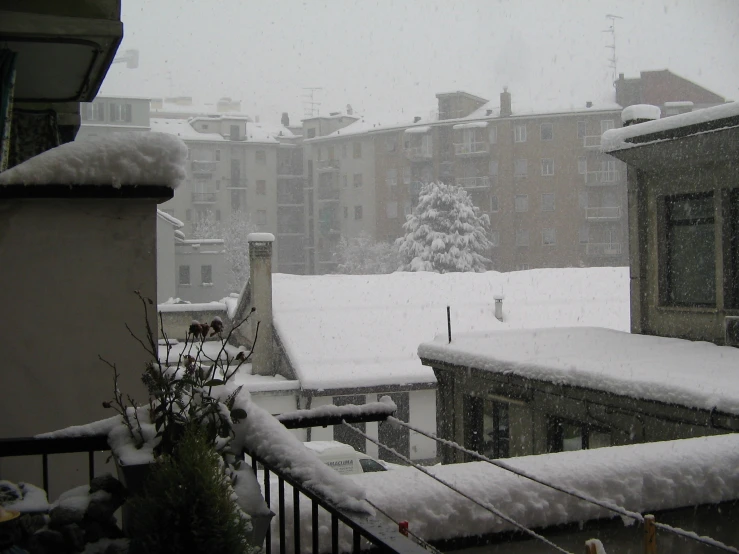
(482, 504)
(577, 494)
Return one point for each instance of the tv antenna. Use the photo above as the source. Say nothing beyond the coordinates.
(310, 105)
(612, 61)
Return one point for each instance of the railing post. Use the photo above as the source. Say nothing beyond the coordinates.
(650, 535)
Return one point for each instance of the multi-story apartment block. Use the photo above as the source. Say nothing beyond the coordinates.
(553, 198)
(110, 114)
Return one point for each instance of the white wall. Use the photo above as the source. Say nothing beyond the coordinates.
(423, 416)
(194, 256)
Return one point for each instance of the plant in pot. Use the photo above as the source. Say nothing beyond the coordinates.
(187, 397)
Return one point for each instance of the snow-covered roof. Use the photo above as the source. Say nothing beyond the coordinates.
(117, 159)
(363, 330)
(642, 478)
(618, 139)
(182, 129)
(640, 111)
(675, 371)
(176, 223)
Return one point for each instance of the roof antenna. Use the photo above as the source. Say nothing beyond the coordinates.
(612, 30)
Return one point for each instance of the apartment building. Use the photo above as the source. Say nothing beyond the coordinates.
(553, 198)
(236, 166)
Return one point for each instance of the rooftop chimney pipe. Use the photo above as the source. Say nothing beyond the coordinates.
(505, 103)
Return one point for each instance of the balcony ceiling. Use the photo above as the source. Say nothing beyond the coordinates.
(61, 58)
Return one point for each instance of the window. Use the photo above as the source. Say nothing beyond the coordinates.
(519, 133)
(357, 179)
(395, 436)
(566, 436)
(392, 177)
(547, 202)
(582, 199)
(522, 237)
(238, 200)
(582, 165)
(369, 466)
(347, 436)
(120, 112)
(345, 180)
(547, 167)
(495, 238)
(261, 187)
(522, 203)
(548, 237)
(206, 274)
(346, 212)
(357, 212)
(406, 175)
(392, 210)
(493, 168)
(606, 124)
(486, 426)
(188, 215)
(218, 155)
(261, 217)
(260, 156)
(311, 133)
(547, 131)
(234, 132)
(582, 129)
(357, 147)
(391, 144)
(493, 135)
(520, 168)
(689, 267)
(494, 203)
(184, 275)
(584, 234)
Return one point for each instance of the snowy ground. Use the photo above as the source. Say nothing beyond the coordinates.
(364, 330)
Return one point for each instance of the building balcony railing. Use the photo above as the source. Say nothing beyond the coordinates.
(591, 141)
(419, 153)
(204, 197)
(327, 165)
(203, 167)
(601, 178)
(473, 183)
(606, 249)
(603, 213)
(471, 148)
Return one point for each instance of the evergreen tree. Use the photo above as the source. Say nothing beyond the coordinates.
(445, 232)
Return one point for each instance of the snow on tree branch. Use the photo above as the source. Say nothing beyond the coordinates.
(445, 232)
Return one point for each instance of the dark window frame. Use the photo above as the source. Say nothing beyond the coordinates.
(555, 435)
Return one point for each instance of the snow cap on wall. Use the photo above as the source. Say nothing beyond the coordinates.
(131, 159)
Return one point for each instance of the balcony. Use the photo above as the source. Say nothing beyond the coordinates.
(603, 213)
(328, 194)
(471, 148)
(591, 141)
(419, 153)
(473, 183)
(204, 197)
(602, 178)
(200, 167)
(603, 249)
(324, 166)
(329, 226)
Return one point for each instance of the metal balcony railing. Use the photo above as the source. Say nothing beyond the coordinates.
(327, 165)
(591, 141)
(203, 166)
(606, 249)
(204, 197)
(603, 213)
(422, 152)
(472, 183)
(471, 148)
(601, 178)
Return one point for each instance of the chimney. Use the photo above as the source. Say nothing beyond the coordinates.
(588, 104)
(505, 103)
(285, 119)
(416, 119)
(498, 306)
(260, 277)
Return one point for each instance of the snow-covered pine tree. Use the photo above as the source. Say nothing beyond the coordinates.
(445, 232)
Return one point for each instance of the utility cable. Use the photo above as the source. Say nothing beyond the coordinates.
(482, 504)
(577, 494)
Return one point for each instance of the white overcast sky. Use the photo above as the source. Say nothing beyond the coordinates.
(392, 56)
